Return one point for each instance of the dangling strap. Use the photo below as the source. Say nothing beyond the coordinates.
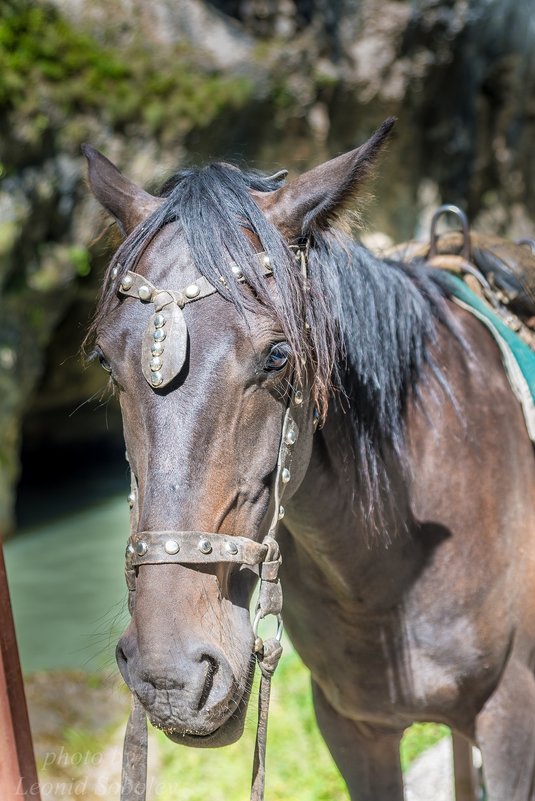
(268, 659)
(134, 775)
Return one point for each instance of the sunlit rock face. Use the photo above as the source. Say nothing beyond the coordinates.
(283, 83)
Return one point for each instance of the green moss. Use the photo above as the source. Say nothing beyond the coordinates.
(49, 71)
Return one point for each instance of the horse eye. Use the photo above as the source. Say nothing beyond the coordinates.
(278, 357)
(103, 363)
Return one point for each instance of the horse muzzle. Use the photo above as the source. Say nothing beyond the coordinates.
(194, 700)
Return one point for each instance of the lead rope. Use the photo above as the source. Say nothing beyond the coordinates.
(134, 773)
(267, 663)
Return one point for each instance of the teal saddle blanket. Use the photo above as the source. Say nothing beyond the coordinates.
(518, 358)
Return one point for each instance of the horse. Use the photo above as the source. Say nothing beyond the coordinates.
(406, 540)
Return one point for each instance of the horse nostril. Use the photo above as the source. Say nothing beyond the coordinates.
(122, 661)
(215, 682)
(211, 670)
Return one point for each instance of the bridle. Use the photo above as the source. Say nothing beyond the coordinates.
(163, 354)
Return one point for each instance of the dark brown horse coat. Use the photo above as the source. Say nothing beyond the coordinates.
(409, 535)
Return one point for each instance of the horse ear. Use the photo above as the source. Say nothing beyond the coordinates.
(316, 198)
(124, 200)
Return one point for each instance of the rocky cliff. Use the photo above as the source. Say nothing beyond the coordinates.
(272, 82)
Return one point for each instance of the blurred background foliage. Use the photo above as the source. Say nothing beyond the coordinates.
(155, 86)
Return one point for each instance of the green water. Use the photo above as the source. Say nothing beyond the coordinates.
(67, 587)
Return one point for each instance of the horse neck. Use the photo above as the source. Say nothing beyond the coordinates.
(330, 526)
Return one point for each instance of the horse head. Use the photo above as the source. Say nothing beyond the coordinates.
(208, 326)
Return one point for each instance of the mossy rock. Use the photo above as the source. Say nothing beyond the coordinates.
(50, 72)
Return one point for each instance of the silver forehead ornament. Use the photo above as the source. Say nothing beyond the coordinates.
(164, 346)
(165, 340)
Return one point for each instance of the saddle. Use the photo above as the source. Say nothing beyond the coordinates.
(501, 272)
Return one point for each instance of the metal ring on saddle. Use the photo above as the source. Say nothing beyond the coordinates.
(527, 241)
(449, 208)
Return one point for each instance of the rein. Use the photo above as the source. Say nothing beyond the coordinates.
(163, 354)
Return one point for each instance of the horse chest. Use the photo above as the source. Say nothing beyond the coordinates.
(391, 666)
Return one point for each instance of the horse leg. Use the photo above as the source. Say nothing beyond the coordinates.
(505, 733)
(467, 785)
(366, 755)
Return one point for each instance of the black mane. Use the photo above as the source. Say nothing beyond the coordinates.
(371, 322)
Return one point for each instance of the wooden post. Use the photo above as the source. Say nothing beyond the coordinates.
(18, 773)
